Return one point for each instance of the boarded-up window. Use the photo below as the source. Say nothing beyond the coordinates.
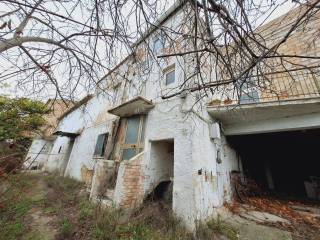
(134, 137)
(101, 144)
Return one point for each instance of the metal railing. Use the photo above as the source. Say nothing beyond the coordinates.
(279, 86)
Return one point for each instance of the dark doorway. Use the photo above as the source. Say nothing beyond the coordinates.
(283, 162)
(162, 163)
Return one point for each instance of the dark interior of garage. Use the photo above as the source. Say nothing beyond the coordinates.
(282, 162)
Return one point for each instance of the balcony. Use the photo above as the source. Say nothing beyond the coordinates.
(284, 96)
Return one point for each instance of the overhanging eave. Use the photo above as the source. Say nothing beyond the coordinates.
(66, 134)
(137, 105)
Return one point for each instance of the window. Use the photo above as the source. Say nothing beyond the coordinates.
(101, 144)
(133, 141)
(249, 97)
(170, 77)
(158, 46)
(132, 130)
(248, 91)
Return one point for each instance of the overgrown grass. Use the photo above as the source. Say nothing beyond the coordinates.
(108, 225)
(14, 205)
(77, 218)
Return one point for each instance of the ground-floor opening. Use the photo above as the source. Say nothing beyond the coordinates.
(161, 165)
(66, 156)
(285, 163)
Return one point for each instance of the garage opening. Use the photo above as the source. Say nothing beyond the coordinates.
(161, 163)
(285, 163)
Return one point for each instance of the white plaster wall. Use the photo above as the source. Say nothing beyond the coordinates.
(204, 168)
(166, 121)
(229, 163)
(82, 152)
(89, 120)
(196, 184)
(200, 183)
(89, 114)
(56, 158)
(38, 153)
(161, 162)
(150, 81)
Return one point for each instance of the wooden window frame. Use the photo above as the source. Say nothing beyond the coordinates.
(140, 140)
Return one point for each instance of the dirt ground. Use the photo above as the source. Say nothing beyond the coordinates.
(39, 206)
(300, 218)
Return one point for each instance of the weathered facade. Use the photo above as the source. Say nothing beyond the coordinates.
(126, 141)
(43, 140)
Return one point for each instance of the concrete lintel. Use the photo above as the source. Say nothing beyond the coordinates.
(307, 121)
(66, 134)
(242, 114)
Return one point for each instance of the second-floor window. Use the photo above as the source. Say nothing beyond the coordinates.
(248, 92)
(170, 76)
(101, 144)
(158, 46)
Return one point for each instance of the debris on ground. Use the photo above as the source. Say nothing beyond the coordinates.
(250, 229)
(302, 218)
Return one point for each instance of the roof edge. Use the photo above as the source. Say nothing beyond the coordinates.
(76, 106)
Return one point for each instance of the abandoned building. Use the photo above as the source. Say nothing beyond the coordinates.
(126, 142)
(43, 139)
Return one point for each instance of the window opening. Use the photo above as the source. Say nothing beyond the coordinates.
(170, 77)
(158, 46)
(101, 144)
